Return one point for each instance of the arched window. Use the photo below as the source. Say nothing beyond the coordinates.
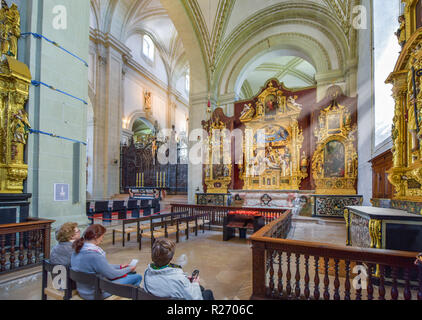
(148, 47)
(187, 82)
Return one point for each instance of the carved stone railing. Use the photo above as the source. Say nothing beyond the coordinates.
(289, 269)
(218, 213)
(24, 245)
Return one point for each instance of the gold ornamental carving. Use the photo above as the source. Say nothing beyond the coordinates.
(218, 168)
(15, 79)
(272, 153)
(346, 217)
(335, 161)
(375, 232)
(406, 173)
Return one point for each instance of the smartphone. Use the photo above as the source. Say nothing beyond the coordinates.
(133, 263)
(195, 274)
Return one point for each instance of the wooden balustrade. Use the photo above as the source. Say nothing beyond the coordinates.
(218, 213)
(377, 274)
(25, 244)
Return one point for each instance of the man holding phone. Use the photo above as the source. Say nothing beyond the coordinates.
(166, 280)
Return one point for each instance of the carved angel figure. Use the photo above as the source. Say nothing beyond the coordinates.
(9, 29)
(247, 112)
(148, 100)
(292, 104)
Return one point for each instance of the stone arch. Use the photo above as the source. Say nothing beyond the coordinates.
(296, 44)
(138, 114)
(186, 32)
(94, 16)
(321, 38)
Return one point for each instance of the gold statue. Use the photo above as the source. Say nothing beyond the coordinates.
(401, 32)
(20, 127)
(9, 29)
(147, 100)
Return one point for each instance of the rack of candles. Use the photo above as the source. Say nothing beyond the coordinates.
(246, 213)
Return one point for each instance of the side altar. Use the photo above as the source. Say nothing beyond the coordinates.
(283, 145)
(406, 172)
(15, 81)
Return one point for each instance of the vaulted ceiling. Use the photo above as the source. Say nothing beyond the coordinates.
(124, 18)
(231, 34)
(294, 72)
(224, 26)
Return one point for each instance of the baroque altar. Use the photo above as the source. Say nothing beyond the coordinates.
(335, 161)
(273, 153)
(406, 173)
(15, 80)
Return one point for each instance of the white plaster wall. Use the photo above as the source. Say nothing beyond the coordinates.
(365, 110)
(134, 96)
(181, 115)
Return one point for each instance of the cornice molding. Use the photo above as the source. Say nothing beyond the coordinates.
(108, 40)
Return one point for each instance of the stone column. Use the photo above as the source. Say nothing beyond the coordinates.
(108, 111)
(198, 113)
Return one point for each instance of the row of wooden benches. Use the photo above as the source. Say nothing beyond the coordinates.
(158, 226)
(100, 285)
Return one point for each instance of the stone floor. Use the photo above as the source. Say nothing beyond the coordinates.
(226, 267)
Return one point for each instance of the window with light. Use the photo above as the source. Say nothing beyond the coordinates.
(148, 48)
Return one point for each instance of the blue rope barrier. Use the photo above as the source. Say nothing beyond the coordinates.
(38, 83)
(40, 36)
(56, 136)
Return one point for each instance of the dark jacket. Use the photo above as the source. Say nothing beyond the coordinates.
(61, 253)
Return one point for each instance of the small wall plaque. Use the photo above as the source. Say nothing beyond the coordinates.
(61, 192)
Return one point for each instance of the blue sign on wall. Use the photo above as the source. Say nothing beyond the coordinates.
(61, 192)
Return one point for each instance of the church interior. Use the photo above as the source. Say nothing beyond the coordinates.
(276, 143)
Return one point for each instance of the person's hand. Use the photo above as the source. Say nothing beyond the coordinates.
(132, 269)
(124, 266)
(196, 279)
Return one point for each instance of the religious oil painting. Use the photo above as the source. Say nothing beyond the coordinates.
(271, 105)
(334, 164)
(273, 134)
(333, 122)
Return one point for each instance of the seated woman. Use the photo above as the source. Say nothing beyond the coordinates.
(65, 235)
(90, 258)
(166, 280)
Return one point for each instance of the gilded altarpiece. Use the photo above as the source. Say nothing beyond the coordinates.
(406, 174)
(273, 142)
(15, 79)
(218, 162)
(335, 161)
